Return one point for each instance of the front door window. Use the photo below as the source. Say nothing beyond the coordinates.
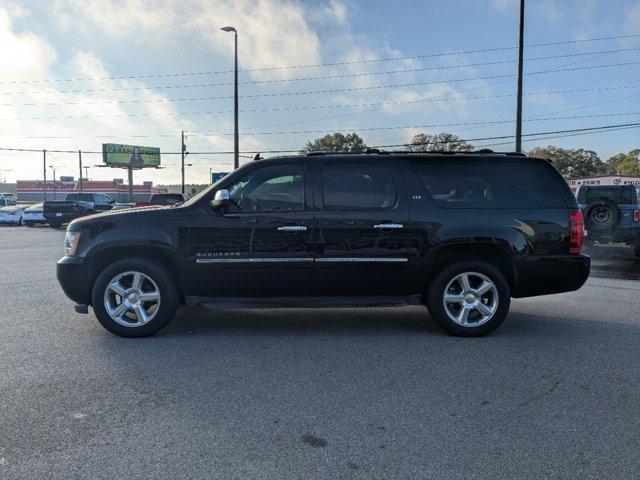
(278, 188)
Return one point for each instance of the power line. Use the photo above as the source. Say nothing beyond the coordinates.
(323, 107)
(352, 114)
(501, 137)
(538, 118)
(283, 94)
(332, 64)
(334, 77)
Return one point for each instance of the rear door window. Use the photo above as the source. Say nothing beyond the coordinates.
(358, 186)
(453, 183)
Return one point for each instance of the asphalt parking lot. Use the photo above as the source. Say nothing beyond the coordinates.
(308, 394)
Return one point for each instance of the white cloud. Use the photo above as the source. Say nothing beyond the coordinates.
(41, 109)
(271, 33)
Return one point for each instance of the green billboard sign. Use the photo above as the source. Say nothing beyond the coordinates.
(117, 155)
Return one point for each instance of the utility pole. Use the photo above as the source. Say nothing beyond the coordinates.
(520, 75)
(183, 152)
(236, 138)
(86, 172)
(44, 169)
(80, 164)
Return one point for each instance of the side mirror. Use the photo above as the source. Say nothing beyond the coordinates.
(221, 201)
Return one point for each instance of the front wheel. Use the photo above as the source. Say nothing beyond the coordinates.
(469, 298)
(135, 297)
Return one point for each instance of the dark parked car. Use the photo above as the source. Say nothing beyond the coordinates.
(612, 214)
(75, 205)
(461, 233)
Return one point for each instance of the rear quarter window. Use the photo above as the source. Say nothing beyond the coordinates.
(488, 184)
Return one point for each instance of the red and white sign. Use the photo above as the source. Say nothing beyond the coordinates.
(607, 180)
(106, 187)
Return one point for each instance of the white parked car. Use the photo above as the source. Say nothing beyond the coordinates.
(13, 214)
(34, 215)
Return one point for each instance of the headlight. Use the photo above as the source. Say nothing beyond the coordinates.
(71, 241)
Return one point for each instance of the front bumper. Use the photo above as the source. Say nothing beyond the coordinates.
(548, 274)
(73, 276)
(34, 218)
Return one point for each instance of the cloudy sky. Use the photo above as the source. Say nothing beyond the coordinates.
(75, 74)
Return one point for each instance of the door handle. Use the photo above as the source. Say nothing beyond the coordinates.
(292, 228)
(388, 226)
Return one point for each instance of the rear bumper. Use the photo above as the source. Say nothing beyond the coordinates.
(622, 235)
(551, 274)
(64, 218)
(73, 276)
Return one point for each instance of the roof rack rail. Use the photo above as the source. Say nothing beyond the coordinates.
(367, 151)
(376, 151)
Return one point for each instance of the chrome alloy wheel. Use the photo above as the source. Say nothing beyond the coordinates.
(470, 299)
(132, 299)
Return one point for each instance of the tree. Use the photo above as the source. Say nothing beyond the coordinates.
(336, 142)
(440, 142)
(625, 163)
(572, 162)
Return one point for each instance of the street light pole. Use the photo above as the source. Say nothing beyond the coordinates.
(44, 169)
(80, 164)
(236, 137)
(54, 181)
(520, 75)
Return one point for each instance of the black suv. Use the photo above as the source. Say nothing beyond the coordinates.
(612, 213)
(461, 233)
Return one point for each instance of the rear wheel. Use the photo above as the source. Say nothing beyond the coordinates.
(636, 249)
(469, 298)
(54, 224)
(134, 297)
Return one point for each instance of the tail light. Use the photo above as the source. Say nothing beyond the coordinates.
(636, 215)
(576, 226)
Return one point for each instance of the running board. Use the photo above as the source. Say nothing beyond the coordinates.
(214, 303)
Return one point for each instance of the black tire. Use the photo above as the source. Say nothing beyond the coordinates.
(55, 224)
(155, 271)
(477, 269)
(601, 215)
(28, 224)
(636, 249)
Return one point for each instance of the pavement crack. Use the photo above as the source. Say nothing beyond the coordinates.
(542, 395)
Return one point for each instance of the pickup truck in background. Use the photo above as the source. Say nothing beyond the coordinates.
(163, 199)
(75, 205)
